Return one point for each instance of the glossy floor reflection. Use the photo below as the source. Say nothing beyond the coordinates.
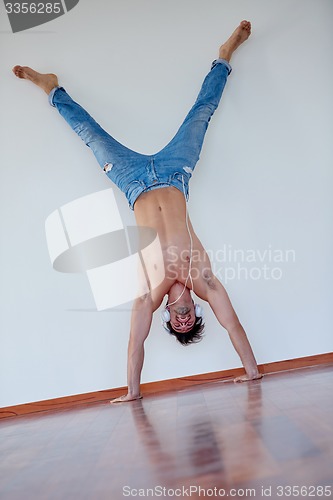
(267, 434)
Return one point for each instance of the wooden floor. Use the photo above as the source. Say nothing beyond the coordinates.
(233, 437)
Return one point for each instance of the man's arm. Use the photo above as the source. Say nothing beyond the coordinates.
(219, 301)
(142, 314)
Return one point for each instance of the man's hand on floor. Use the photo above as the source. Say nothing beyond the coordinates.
(125, 399)
(247, 378)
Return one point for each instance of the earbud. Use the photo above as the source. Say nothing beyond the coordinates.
(165, 315)
(198, 311)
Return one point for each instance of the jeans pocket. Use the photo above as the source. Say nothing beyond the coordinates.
(132, 185)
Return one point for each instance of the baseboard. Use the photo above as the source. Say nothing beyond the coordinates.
(68, 402)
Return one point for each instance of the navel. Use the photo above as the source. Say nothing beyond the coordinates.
(160, 209)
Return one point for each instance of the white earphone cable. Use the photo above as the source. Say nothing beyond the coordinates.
(189, 276)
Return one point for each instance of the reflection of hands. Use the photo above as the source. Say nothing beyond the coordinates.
(125, 399)
(247, 378)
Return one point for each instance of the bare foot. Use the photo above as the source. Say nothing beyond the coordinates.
(241, 33)
(45, 81)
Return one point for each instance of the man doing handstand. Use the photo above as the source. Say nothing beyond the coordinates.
(156, 188)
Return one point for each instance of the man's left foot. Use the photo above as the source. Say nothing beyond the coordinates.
(46, 81)
(241, 33)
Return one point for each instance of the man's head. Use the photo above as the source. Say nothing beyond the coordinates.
(184, 319)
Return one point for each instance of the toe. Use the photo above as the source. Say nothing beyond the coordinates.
(18, 71)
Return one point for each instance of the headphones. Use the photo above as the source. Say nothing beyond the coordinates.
(165, 315)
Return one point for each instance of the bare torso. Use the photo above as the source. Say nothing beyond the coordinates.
(165, 211)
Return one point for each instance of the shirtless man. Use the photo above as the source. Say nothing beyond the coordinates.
(156, 187)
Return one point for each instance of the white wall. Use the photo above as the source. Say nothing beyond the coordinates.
(263, 181)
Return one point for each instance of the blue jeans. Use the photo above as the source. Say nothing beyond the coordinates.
(135, 173)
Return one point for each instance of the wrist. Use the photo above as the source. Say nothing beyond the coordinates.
(133, 394)
(252, 373)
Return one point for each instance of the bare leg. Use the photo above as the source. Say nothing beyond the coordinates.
(241, 33)
(45, 81)
(106, 149)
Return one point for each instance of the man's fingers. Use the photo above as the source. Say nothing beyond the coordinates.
(124, 399)
(245, 378)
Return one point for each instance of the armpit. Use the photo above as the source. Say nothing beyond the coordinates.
(209, 279)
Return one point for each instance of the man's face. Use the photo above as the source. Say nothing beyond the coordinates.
(182, 318)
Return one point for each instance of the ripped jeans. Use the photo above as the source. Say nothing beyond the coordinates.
(135, 173)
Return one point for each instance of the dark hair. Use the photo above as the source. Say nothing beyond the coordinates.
(192, 336)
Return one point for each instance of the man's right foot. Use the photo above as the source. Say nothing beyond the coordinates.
(241, 33)
(45, 81)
